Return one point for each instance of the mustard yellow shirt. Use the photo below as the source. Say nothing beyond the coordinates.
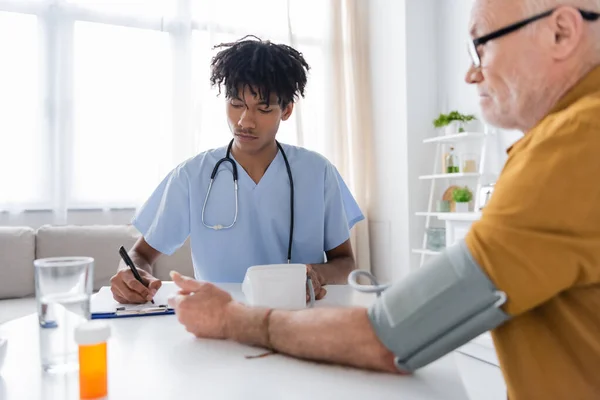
(539, 241)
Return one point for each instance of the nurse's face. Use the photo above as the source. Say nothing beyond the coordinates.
(253, 122)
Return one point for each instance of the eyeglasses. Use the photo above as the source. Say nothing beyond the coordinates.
(475, 43)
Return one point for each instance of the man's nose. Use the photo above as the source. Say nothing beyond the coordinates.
(474, 75)
(247, 120)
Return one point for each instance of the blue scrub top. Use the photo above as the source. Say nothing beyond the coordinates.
(325, 211)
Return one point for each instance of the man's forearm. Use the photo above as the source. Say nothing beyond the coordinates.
(336, 271)
(334, 335)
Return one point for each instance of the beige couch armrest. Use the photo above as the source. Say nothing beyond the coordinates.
(17, 252)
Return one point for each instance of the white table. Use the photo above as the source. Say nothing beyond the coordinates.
(155, 358)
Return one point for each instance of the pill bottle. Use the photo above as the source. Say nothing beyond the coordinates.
(91, 338)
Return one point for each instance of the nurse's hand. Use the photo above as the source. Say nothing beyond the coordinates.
(127, 290)
(318, 282)
(201, 307)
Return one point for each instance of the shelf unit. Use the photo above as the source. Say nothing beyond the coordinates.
(481, 347)
(436, 177)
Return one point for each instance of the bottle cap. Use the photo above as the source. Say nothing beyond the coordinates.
(92, 332)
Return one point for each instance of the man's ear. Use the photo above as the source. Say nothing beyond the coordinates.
(567, 26)
(287, 111)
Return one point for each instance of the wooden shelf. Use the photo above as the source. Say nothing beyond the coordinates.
(454, 137)
(457, 175)
(426, 252)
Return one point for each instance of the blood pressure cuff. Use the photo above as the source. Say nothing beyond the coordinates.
(439, 307)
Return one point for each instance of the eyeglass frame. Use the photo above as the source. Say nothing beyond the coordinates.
(475, 43)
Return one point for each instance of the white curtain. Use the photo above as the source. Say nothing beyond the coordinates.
(350, 138)
(100, 99)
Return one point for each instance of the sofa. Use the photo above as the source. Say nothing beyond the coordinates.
(20, 246)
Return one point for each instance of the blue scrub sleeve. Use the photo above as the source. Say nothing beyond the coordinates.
(164, 220)
(341, 210)
(353, 213)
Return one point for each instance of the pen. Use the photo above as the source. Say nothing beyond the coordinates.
(132, 267)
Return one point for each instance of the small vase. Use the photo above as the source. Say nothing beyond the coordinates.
(453, 128)
(443, 206)
(436, 239)
(461, 207)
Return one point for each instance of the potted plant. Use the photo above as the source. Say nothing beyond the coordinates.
(462, 197)
(453, 122)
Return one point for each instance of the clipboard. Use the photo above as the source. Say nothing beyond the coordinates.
(104, 306)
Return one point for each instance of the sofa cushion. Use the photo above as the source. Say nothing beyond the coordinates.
(17, 252)
(102, 243)
(16, 308)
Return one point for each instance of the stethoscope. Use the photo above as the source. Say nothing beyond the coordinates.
(235, 186)
(352, 278)
(375, 287)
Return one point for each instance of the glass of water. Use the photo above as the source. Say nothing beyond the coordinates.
(63, 287)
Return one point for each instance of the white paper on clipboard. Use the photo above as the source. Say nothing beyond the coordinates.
(104, 303)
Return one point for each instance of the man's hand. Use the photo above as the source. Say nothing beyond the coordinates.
(318, 282)
(201, 307)
(127, 290)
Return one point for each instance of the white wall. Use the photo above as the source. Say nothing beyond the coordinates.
(423, 61)
(452, 38)
(389, 207)
(404, 91)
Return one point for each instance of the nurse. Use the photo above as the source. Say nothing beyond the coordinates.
(253, 201)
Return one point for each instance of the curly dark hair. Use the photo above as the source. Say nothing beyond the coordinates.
(260, 65)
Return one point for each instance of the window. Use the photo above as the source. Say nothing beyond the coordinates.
(21, 138)
(100, 99)
(122, 113)
(156, 8)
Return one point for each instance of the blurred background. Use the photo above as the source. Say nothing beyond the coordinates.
(100, 99)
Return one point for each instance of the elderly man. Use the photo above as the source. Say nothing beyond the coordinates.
(529, 270)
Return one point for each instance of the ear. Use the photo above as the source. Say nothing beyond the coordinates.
(287, 111)
(567, 26)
